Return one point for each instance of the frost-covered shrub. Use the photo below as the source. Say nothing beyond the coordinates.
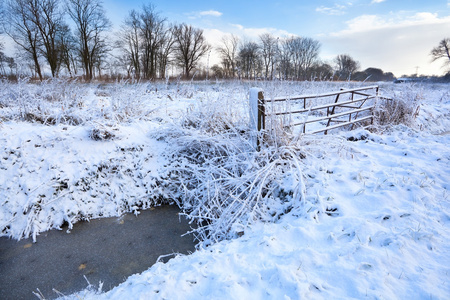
(123, 102)
(401, 108)
(219, 180)
(50, 102)
(59, 101)
(224, 185)
(211, 123)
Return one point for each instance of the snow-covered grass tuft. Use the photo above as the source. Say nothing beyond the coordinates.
(59, 101)
(222, 183)
(402, 108)
(51, 102)
(100, 132)
(216, 176)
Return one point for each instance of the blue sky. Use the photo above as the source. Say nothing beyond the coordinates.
(394, 35)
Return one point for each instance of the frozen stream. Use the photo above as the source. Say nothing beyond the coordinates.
(106, 249)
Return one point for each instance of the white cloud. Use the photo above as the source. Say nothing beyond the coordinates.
(254, 33)
(396, 43)
(205, 13)
(366, 23)
(336, 10)
(238, 26)
(213, 13)
(377, 1)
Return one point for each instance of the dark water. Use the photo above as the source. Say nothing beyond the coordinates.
(107, 250)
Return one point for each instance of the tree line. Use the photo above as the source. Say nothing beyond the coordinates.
(147, 45)
(293, 58)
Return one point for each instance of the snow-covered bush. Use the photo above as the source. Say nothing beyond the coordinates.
(59, 101)
(51, 102)
(402, 108)
(220, 181)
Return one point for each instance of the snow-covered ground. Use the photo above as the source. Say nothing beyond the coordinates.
(354, 215)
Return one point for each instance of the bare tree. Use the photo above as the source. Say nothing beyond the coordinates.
(91, 23)
(304, 52)
(346, 66)
(2, 59)
(217, 71)
(228, 53)
(165, 50)
(309, 54)
(147, 41)
(48, 18)
(152, 30)
(152, 26)
(249, 59)
(129, 42)
(190, 46)
(442, 51)
(321, 71)
(67, 49)
(285, 67)
(269, 48)
(19, 26)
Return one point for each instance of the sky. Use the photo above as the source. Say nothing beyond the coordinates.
(394, 35)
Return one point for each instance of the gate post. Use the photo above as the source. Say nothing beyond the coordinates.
(257, 115)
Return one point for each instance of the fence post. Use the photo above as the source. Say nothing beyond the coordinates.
(257, 114)
(376, 103)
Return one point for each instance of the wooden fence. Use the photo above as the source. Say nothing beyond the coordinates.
(340, 112)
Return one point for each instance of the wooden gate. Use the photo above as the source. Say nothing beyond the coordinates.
(350, 106)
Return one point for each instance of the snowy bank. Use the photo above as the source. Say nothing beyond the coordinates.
(367, 215)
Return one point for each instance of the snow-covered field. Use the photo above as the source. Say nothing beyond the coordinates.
(360, 214)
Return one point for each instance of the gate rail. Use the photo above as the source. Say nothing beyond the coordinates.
(354, 105)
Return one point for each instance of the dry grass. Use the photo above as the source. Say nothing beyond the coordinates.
(402, 108)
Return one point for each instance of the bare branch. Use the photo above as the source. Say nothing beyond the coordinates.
(190, 46)
(442, 51)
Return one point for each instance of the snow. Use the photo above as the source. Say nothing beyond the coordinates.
(368, 216)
